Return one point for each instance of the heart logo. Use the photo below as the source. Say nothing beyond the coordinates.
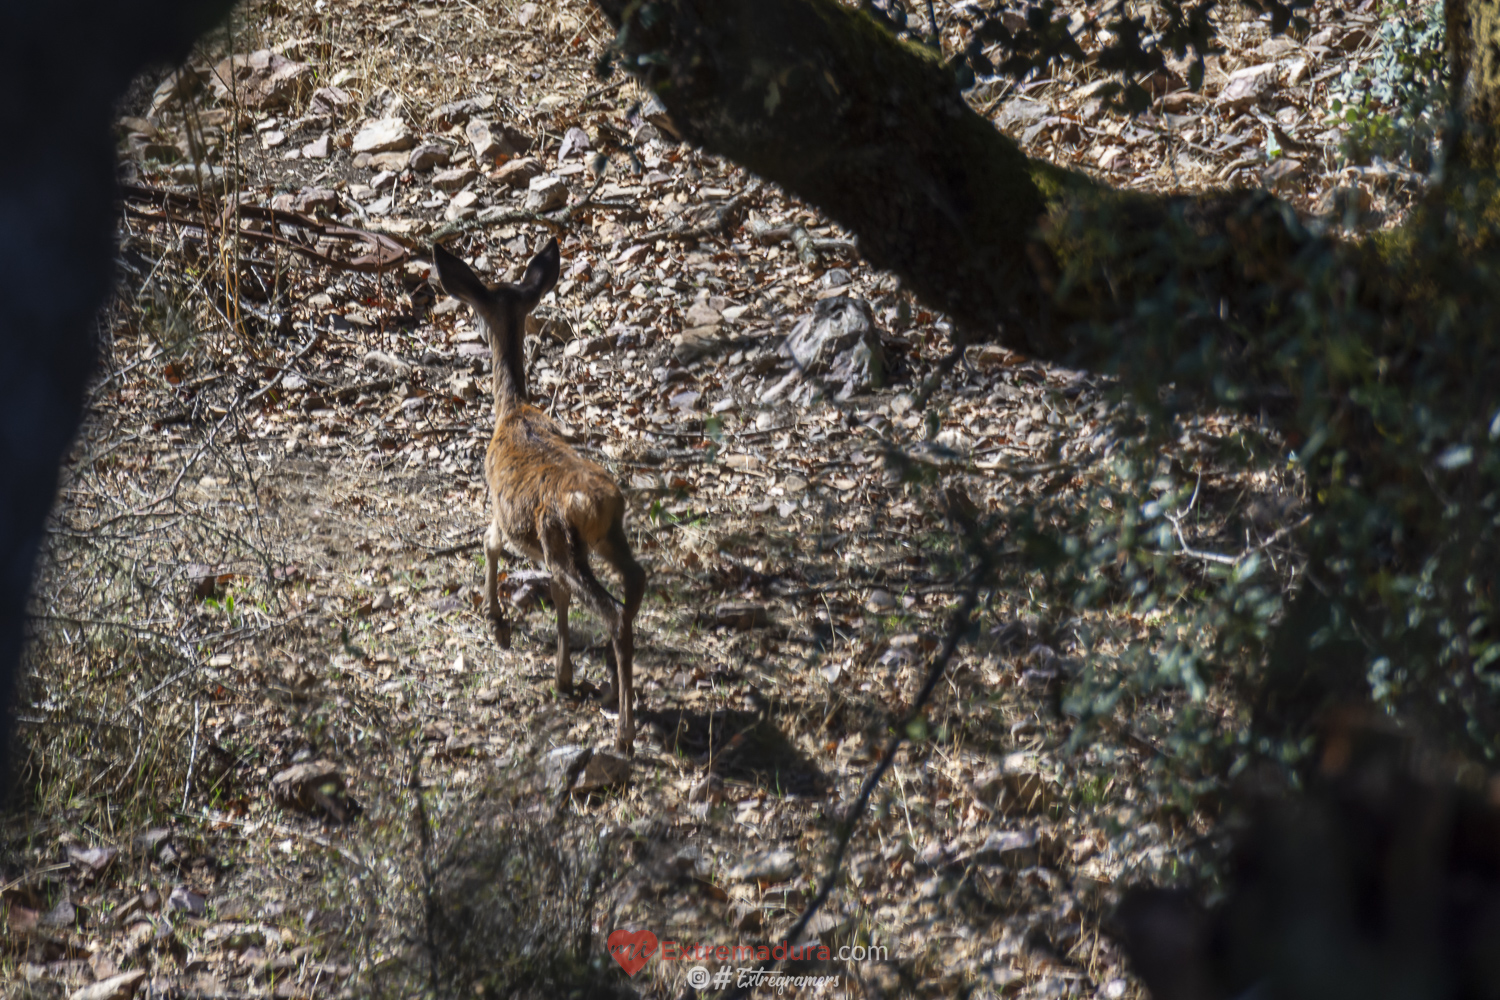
(631, 949)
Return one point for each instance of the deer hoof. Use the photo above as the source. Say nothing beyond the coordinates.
(501, 628)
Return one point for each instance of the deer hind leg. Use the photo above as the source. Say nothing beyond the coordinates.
(580, 578)
(615, 550)
(560, 598)
(492, 549)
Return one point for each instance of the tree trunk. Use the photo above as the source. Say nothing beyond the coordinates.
(1473, 28)
(819, 99)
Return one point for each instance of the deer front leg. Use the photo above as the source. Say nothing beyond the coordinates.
(492, 549)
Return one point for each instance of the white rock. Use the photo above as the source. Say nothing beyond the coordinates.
(546, 193)
(383, 135)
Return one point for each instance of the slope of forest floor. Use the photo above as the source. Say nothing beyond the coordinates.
(266, 550)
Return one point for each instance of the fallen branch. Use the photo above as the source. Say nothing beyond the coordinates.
(713, 227)
(381, 251)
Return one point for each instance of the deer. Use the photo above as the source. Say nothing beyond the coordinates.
(547, 501)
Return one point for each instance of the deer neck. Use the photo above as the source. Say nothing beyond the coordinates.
(508, 364)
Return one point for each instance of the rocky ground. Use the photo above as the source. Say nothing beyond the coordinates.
(265, 702)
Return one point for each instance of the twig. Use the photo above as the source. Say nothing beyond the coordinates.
(187, 785)
(608, 88)
(495, 216)
(711, 228)
(257, 394)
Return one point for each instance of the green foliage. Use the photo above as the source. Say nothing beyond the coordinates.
(1377, 363)
(1393, 104)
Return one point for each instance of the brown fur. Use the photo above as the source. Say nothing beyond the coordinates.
(547, 501)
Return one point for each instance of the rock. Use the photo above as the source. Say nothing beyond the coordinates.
(464, 387)
(319, 148)
(575, 141)
(1284, 173)
(382, 180)
(454, 178)
(380, 359)
(518, 172)
(880, 602)
(492, 141)
(429, 155)
(699, 342)
(317, 199)
(604, 770)
(92, 861)
(389, 163)
(742, 616)
(315, 786)
(838, 342)
(263, 80)
(654, 112)
(120, 987)
(1019, 112)
(1012, 848)
(546, 193)
(382, 135)
(459, 112)
(1248, 85)
(766, 866)
(562, 765)
(184, 900)
(709, 788)
(328, 101)
(700, 313)
(687, 400)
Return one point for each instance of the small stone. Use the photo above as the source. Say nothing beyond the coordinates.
(690, 345)
(562, 765)
(380, 359)
(120, 987)
(880, 602)
(458, 112)
(429, 155)
(518, 172)
(687, 400)
(492, 141)
(604, 770)
(767, 866)
(741, 616)
(328, 101)
(393, 162)
(1283, 173)
(184, 900)
(700, 313)
(454, 179)
(262, 80)
(314, 786)
(464, 387)
(382, 180)
(709, 788)
(383, 135)
(1012, 848)
(1248, 85)
(318, 149)
(546, 193)
(838, 342)
(317, 199)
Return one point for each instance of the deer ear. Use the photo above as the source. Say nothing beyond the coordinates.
(458, 279)
(541, 274)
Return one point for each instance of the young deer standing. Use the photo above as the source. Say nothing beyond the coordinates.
(548, 502)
